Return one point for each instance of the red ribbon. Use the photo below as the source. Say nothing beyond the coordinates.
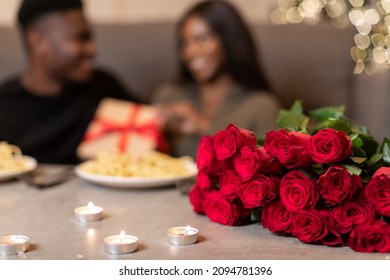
(150, 130)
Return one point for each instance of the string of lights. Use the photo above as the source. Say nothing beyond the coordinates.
(370, 18)
(311, 12)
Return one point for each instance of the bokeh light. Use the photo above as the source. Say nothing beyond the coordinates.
(370, 18)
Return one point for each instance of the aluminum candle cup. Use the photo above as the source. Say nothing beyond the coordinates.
(89, 213)
(121, 243)
(14, 244)
(182, 235)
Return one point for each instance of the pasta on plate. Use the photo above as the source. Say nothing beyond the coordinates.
(11, 159)
(151, 165)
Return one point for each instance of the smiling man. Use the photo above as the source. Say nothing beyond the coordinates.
(46, 110)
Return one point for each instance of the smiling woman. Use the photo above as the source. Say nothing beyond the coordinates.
(201, 50)
(220, 81)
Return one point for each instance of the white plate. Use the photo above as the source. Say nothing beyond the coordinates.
(30, 164)
(134, 182)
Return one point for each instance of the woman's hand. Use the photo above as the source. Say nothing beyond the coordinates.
(183, 118)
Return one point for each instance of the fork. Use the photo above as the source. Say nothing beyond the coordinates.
(44, 176)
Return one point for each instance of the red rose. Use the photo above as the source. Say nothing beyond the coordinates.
(228, 141)
(377, 193)
(206, 159)
(258, 190)
(338, 185)
(367, 238)
(332, 237)
(383, 171)
(268, 164)
(299, 141)
(308, 226)
(247, 138)
(350, 214)
(288, 148)
(276, 218)
(246, 163)
(221, 166)
(205, 181)
(225, 144)
(330, 146)
(230, 183)
(197, 198)
(298, 191)
(220, 210)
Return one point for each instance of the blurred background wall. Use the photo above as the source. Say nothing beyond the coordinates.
(135, 11)
(311, 62)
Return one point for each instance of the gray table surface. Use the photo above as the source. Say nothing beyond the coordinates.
(46, 216)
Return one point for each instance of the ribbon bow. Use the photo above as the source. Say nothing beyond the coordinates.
(149, 129)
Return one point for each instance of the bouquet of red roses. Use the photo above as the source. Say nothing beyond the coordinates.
(320, 179)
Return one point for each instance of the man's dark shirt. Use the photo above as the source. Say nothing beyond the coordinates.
(50, 128)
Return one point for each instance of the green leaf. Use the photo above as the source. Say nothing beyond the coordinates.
(359, 129)
(297, 108)
(325, 113)
(353, 169)
(366, 180)
(386, 219)
(255, 215)
(358, 160)
(358, 152)
(319, 168)
(340, 125)
(385, 150)
(356, 141)
(292, 121)
(370, 145)
(260, 141)
(375, 159)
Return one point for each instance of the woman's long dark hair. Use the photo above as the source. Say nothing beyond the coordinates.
(239, 48)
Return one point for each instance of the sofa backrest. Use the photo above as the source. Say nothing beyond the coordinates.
(306, 62)
(143, 55)
(311, 63)
(11, 53)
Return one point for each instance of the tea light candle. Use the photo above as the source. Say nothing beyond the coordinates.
(89, 213)
(13, 244)
(121, 243)
(182, 235)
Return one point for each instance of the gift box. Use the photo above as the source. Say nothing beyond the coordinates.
(121, 126)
